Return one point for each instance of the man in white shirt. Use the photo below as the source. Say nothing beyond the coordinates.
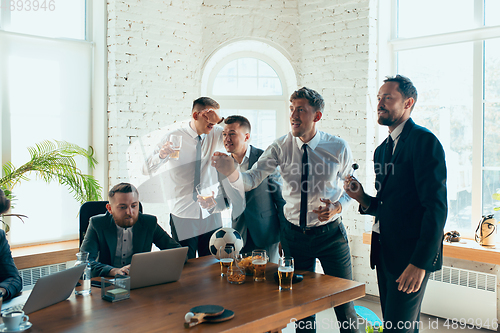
(191, 225)
(259, 225)
(312, 164)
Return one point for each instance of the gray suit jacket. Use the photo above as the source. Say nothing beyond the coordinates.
(264, 209)
(101, 237)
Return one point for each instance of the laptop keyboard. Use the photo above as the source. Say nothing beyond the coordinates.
(16, 307)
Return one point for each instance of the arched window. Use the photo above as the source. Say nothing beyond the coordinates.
(252, 79)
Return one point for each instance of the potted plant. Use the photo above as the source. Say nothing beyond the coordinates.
(53, 162)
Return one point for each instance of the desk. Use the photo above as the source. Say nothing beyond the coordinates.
(258, 306)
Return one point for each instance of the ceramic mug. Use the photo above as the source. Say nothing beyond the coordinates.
(14, 319)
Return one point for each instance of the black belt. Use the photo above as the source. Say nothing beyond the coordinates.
(316, 230)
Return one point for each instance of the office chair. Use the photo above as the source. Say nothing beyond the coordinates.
(89, 209)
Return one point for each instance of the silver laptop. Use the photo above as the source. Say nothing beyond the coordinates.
(157, 267)
(48, 290)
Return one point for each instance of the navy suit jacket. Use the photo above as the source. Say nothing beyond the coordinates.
(264, 209)
(411, 204)
(9, 275)
(101, 237)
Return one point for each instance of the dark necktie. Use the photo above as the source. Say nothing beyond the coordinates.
(303, 188)
(389, 147)
(197, 168)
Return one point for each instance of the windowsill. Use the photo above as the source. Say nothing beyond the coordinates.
(46, 254)
(467, 249)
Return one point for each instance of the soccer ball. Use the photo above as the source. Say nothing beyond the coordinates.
(223, 237)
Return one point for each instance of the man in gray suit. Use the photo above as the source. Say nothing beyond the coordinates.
(113, 238)
(259, 225)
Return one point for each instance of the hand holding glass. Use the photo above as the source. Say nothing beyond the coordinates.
(176, 143)
(205, 196)
(285, 272)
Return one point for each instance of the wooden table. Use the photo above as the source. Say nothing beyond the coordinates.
(258, 306)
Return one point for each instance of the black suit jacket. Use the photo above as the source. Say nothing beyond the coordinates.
(9, 275)
(264, 209)
(101, 237)
(411, 204)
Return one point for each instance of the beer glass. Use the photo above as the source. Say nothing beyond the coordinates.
(259, 262)
(207, 200)
(226, 258)
(285, 272)
(176, 141)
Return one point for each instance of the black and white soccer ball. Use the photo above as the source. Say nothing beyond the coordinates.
(223, 237)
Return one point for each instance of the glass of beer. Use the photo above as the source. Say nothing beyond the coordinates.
(226, 258)
(176, 141)
(285, 272)
(259, 262)
(207, 200)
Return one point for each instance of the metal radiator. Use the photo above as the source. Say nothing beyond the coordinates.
(31, 275)
(462, 295)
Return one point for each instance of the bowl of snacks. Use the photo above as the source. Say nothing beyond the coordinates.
(236, 275)
(244, 260)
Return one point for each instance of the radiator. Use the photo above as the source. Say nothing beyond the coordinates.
(460, 294)
(31, 275)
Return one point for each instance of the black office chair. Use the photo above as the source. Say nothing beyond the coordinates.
(89, 209)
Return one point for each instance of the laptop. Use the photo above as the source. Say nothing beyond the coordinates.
(48, 290)
(157, 267)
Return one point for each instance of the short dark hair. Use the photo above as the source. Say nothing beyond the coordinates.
(406, 87)
(4, 202)
(123, 188)
(314, 98)
(240, 120)
(207, 102)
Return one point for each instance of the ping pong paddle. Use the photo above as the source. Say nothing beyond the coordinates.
(199, 314)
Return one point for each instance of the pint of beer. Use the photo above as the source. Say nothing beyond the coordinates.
(225, 263)
(226, 255)
(259, 262)
(285, 273)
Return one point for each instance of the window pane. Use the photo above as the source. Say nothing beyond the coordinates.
(491, 135)
(491, 184)
(263, 125)
(266, 70)
(49, 89)
(49, 18)
(491, 10)
(245, 77)
(444, 106)
(429, 17)
(492, 70)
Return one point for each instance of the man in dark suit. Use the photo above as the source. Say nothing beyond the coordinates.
(259, 225)
(410, 207)
(113, 238)
(10, 280)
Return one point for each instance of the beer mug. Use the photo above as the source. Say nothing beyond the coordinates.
(285, 273)
(226, 255)
(259, 262)
(176, 146)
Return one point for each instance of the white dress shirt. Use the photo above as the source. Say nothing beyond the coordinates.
(330, 160)
(179, 176)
